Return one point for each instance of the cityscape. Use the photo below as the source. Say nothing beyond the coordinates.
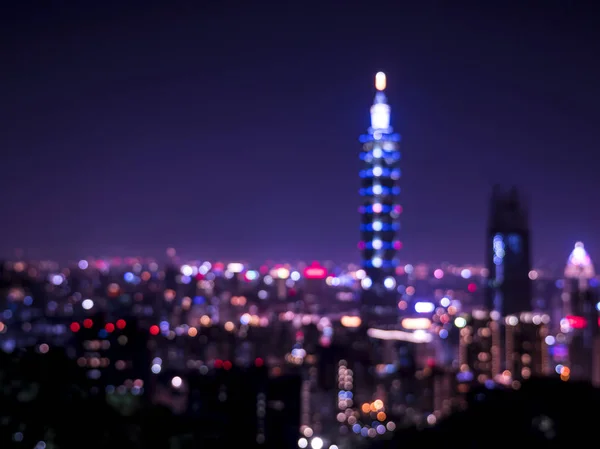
(182, 351)
(358, 350)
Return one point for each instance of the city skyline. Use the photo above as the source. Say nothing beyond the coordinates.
(298, 225)
(88, 144)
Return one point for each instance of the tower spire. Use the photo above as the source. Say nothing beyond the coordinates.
(380, 81)
(380, 111)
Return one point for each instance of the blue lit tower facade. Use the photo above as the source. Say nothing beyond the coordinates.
(379, 212)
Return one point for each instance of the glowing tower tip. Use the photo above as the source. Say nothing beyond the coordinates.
(380, 81)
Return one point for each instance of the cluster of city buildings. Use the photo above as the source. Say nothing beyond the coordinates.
(518, 331)
(315, 354)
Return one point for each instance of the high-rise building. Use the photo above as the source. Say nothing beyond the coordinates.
(578, 273)
(436, 390)
(508, 255)
(479, 355)
(580, 321)
(314, 281)
(379, 211)
(526, 351)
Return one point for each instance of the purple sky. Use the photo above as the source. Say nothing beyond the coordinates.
(231, 130)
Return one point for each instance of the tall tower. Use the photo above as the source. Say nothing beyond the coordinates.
(580, 315)
(578, 272)
(379, 211)
(508, 255)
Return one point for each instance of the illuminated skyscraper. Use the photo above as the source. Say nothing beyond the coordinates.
(581, 317)
(508, 255)
(578, 273)
(380, 209)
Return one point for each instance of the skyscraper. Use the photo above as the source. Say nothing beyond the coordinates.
(380, 209)
(578, 273)
(580, 321)
(508, 255)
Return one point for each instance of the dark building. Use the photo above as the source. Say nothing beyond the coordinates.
(171, 276)
(245, 407)
(436, 390)
(327, 367)
(4, 275)
(543, 413)
(479, 355)
(526, 351)
(314, 282)
(508, 254)
(282, 423)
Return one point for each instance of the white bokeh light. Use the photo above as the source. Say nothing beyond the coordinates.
(424, 307)
(187, 270)
(316, 443)
(380, 114)
(389, 283)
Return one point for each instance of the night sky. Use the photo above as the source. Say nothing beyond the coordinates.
(230, 130)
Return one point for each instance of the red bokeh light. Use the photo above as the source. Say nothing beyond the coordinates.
(154, 329)
(576, 322)
(259, 362)
(121, 324)
(87, 323)
(218, 363)
(472, 287)
(227, 365)
(75, 327)
(110, 327)
(316, 271)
